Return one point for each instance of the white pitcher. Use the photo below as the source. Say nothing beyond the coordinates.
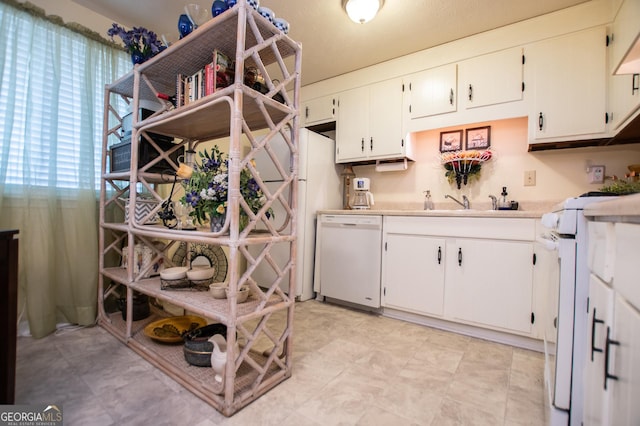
(219, 356)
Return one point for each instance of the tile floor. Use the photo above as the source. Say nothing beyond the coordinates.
(350, 368)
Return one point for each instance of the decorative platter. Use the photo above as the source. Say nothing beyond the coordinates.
(170, 330)
(203, 255)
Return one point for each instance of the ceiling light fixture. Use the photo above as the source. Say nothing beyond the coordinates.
(362, 11)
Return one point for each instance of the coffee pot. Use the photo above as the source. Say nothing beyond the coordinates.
(362, 199)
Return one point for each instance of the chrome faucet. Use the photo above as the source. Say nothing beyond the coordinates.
(494, 202)
(464, 203)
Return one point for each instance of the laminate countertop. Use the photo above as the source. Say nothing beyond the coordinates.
(623, 208)
(440, 213)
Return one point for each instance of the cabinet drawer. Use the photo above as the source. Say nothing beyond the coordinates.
(463, 227)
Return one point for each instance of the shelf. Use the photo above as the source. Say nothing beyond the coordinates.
(199, 380)
(234, 112)
(218, 106)
(183, 57)
(198, 302)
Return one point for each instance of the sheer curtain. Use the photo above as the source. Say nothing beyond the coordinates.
(52, 84)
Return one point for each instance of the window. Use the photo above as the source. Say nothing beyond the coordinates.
(51, 109)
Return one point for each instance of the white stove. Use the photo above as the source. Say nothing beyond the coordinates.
(565, 341)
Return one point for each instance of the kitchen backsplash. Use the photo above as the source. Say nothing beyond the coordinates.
(559, 173)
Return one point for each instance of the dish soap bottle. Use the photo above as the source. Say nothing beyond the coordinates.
(503, 204)
(428, 203)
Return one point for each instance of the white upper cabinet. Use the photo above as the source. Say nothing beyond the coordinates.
(320, 110)
(624, 89)
(569, 87)
(369, 124)
(491, 79)
(433, 91)
(625, 30)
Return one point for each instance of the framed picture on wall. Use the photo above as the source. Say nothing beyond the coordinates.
(451, 141)
(479, 138)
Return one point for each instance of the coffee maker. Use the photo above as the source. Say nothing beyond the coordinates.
(362, 199)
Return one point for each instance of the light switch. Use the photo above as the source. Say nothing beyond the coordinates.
(530, 178)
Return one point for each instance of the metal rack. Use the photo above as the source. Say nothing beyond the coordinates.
(236, 112)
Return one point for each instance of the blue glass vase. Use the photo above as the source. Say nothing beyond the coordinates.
(218, 7)
(138, 57)
(185, 26)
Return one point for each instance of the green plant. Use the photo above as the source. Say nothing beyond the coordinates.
(622, 187)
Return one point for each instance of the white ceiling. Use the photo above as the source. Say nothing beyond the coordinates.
(332, 43)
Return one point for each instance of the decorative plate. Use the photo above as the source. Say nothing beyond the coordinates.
(203, 255)
(170, 330)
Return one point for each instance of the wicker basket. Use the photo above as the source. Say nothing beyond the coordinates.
(185, 284)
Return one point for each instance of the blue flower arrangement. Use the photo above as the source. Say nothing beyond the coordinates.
(141, 43)
(207, 189)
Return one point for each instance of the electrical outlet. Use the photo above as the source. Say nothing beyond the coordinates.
(596, 174)
(530, 178)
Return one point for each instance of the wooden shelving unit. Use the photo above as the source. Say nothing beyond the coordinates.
(235, 112)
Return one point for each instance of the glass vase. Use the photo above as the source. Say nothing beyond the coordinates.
(217, 222)
(218, 7)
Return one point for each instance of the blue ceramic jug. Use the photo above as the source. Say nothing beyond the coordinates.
(185, 26)
(218, 7)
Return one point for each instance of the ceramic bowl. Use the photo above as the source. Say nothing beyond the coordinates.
(197, 274)
(267, 13)
(218, 290)
(176, 273)
(243, 293)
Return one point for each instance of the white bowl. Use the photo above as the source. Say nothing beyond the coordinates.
(218, 290)
(243, 293)
(197, 274)
(176, 273)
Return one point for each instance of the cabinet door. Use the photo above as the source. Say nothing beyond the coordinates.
(624, 98)
(627, 269)
(491, 79)
(433, 91)
(385, 119)
(352, 127)
(625, 365)
(482, 275)
(625, 31)
(320, 110)
(569, 86)
(414, 273)
(596, 406)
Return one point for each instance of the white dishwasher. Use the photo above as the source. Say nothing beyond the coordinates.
(349, 251)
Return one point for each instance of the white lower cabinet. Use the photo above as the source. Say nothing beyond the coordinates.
(490, 283)
(596, 407)
(413, 277)
(430, 267)
(612, 370)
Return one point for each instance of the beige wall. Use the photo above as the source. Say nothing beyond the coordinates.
(559, 173)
